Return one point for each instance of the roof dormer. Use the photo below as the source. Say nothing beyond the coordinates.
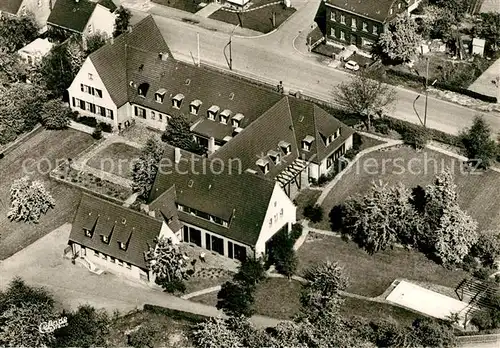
(237, 131)
(142, 90)
(285, 147)
(307, 143)
(177, 100)
(160, 95)
(275, 156)
(194, 107)
(212, 112)
(263, 164)
(236, 120)
(224, 116)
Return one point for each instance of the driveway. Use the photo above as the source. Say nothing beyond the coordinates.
(42, 264)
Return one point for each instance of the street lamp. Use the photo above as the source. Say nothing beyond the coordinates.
(424, 123)
(230, 44)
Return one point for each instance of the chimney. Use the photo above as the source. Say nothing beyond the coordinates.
(177, 155)
(211, 145)
(129, 28)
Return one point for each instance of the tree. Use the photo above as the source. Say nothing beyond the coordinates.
(438, 22)
(456, 7)
(22, 310)
(400, 42)
(178, 133)
(489, 29)
(94, 42)
(313, 212)
(487, 248)
(382, 217)
(29, 200)
(122, 21)
(236, 299)
(17, 32)
(75, 53)
(365, 96)
(326, 277)
(12, 68)
(455, 235)
(282, 254)
(146, 336)
(166, 262)
(478, 143)
(145, 169)
(56, 70)
(251, 271)
(215, 332)
(87, 327)
(431, 333)
(55, 115)
(20, 106)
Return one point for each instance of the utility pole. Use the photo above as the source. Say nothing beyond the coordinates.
(198, 42)
(426, 90)
(230, 44)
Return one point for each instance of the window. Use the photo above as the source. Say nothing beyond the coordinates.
(91, 77)
(218, 245)
(160, 117)
(270, 222)
(98, 92)
(177, 101)
(275, 217)
(105, 239)
(240, 253)
(103, 256)
(129, 266)
(391, 11)
(194, 107)
(307, 142)
(88, 233)
(332, 32)
(88, 106)
(365, 26)
(159, 95)
(263, 165)
(96, 253)
(281, 212)
(120, 263)
(342, 19)
(342, 35)
(123, 246)
(90, 29)
(275, 156)
(285, 147)
(142, 90)
(236, 120)
(332, 16)
(224, 116)
(230, 249)
(109, 113)
(195, 236)
(140, 112)
(212, 112)
(375, 29)
(101, 111)
(353, 23)
(112, 259)
(82, 104)
(153, 115)
(73, 101)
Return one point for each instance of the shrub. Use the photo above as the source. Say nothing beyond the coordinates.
(416, 137)
(88, 121)
(106, 127)
(351, 153)
(174, 286)
(97, 133)
(55, 115)
(487, 247)
(482, 273)
(313, 212)
(296, 231)
(382, 128)
(482, 319)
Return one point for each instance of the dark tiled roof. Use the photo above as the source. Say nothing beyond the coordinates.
(120, 224)
(290, 120)
(110, 60)
(210, 87)
(166, 209)
(74, 15)
(10, 6)
(374, 9)
(242, 199)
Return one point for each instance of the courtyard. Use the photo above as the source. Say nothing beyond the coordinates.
(35, 157)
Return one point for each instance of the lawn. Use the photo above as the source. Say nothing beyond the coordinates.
(478, 191)
(305, 197)
(364, 142)
(275, 298)
(258, 20)
(174, 331)
(42, 151)
(117, 158)
(184, 5)
(371, 275)
(375, 311)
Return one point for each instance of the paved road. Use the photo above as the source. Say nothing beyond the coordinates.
(282, 56)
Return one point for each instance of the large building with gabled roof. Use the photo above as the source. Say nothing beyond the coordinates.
(263, 146)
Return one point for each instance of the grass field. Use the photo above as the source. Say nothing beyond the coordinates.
(278, 298)
(478, 192)
(304, 198)
(41, 151)
(258, 20)
(117, 158)
(374, 311)
(184, 5)
(370, 275)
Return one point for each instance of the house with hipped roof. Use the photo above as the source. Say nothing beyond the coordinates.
(39, 9)
(83, 17)
(263, 146)
(359, 22)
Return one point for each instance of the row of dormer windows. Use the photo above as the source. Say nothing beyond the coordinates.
(104, 238)
(203, 215)
(275, 156)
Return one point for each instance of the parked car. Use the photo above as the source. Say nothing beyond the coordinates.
(352, 65)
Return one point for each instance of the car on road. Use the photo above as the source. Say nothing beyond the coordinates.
(352, 65)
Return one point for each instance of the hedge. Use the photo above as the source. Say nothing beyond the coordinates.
(442, 85)
(175, 314)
